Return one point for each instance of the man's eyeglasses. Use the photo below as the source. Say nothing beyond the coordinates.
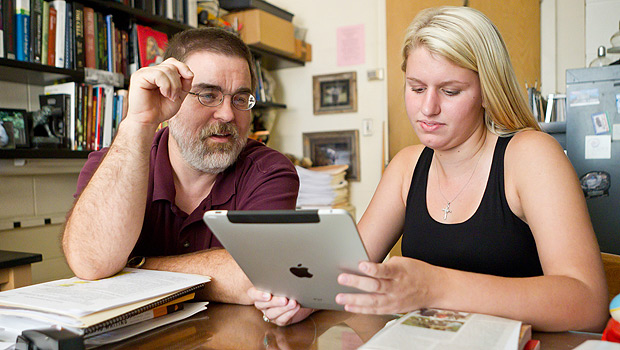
(242, 101)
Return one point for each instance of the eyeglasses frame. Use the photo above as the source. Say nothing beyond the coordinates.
(251, 100)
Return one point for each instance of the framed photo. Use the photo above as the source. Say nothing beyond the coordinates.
(334, 147)
(19, 120)
(335, 93)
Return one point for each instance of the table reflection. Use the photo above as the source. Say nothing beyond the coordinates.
(226, 326)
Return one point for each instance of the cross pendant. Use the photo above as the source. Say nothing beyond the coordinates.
(446, 211)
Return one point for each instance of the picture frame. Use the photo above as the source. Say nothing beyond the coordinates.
(19, 120)
(334, 147)
(334, 93)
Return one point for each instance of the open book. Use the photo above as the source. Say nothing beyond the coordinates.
(90, 307)
(436, 328)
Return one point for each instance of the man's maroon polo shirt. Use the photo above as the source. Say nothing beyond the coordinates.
(260, 179)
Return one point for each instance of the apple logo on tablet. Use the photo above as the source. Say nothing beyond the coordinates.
(301, 271)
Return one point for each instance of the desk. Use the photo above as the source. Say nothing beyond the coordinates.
(15, 269)
(224, 326)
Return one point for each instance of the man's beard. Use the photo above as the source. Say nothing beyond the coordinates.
(203, 155)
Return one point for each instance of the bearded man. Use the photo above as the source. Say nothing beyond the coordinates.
(145, 196)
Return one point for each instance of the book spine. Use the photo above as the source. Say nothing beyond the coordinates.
(22, 30)
(8, 20)
(89, 117)
(78, 26)
(109, 43)
(61, 22)
(102, 47)
(1, 30)
(51, 45)
(89, 38)
(45, 27)
(108, 110)
(68, 35)
(36, 12)
(125, 53)
(134, 58)
(78, 116)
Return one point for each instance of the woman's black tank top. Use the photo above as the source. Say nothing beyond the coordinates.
(493, 241)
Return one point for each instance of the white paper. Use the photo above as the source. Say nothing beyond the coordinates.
(77, 297)
(16, 325)
(615, 132)
(445, 330)
(598, 345)
(598, 147)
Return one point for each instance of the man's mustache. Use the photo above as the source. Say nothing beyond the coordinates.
(221, 129)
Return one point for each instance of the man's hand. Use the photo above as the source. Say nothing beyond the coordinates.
(156, 93)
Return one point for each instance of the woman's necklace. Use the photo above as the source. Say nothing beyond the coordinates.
(447, 210)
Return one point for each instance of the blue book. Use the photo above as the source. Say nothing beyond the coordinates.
(110, 42)
(22, 30)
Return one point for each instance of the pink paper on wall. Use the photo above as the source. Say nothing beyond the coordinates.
(351, 45)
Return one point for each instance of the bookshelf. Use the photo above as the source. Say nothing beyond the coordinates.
(42, 75)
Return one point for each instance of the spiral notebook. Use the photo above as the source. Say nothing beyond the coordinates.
(90, 307)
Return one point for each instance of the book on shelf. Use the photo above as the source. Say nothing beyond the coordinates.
(8, 28)
(61, 22)
(89, 308)
(61, 102)
(110, 46)
(22, 30)
(151, 45)
(36, 25)
(90, 54)
(70, 89)
(78, 25)
(69, 37)
(1, 31)
(437, 328)
(101, 40)
(45, 25)
(51, 45)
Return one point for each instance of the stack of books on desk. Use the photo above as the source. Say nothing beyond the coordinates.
(324, 187)
(105, 310)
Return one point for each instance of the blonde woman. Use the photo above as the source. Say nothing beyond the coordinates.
(490, 210)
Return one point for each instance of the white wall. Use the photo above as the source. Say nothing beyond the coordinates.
(571, 32)
(322, 18)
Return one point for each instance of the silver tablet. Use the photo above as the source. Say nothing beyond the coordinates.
(293, 253)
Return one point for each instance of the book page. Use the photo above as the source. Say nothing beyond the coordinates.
(76, 297)
(444, 329)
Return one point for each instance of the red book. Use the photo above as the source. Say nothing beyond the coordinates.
(532, 344)
(151, 45)
(90, 53)
(51, 38)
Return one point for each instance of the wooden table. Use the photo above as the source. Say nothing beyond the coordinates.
(15, 268)
(224, 326)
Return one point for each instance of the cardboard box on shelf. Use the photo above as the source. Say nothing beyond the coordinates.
(265, 31)
(303, 51)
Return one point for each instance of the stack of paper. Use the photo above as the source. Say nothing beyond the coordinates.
(323, 187)
(131, 297)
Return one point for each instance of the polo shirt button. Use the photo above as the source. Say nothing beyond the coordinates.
(186, 244)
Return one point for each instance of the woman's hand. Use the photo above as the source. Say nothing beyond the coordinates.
(156, 93)
(278, 310)
(398, 286)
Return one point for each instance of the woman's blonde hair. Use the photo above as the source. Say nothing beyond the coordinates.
(467, 38)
